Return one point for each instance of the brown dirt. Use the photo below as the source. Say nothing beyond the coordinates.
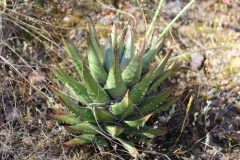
(210, 30)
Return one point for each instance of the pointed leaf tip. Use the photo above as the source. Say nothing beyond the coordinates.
(136, 121)
(132, 73)
(130, 147)
(94, 90)
(123, 108)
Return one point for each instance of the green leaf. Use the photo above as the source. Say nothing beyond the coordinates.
(114, 130)
(129, 50)
(136, 121)
(108, 55)
(150, 103)
(146, 131)
(153, 132)
(95, 91)
(114, 36)
(82, 139)
(103, 115)
(123, 108)
(132, 74)
(115, 85)
(67, 119)
(94, 40)
(84, 128)
(75, 88)
(166, 104)
(75, 56)
(101, 144)
(82, 112)
(140, 89)
(120, 46)
(158, 80)
(149, 56)
(161, 66)
(129, 146)
(95, 65)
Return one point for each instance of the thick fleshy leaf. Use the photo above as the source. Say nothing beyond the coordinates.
(161, 66)
(101, 143)
(121, 46)
(58, 94)
(115, 85)
(149, 56)
(149, 41)
(84, 128)
(75, 56)
(94, 40)
(129, 49)
(67, 119)
(95, 66)
(76, 89)
(94, 90)
(108, 55)
(114, 36)
(159, 79)
(123, 108)
(114, 130)
(132, 74)
(81, 112)
(129, 146)
(82, 139)
(153, 132)
(136, 121)
(103, 115)
(140, 89)
(146, 131)
(150, 103)
(166, 104)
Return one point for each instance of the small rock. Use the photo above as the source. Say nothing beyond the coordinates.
(197, 60)
(172, 8)
(36, 77)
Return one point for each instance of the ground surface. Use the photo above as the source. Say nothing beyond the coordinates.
(209, 32)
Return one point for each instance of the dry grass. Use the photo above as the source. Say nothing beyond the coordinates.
(30, 42)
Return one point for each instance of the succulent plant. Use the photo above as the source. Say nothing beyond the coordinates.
(115, 97)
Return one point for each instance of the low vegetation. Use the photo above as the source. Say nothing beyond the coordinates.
(201, 121)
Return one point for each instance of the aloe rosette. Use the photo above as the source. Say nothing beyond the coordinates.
(115, 92)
